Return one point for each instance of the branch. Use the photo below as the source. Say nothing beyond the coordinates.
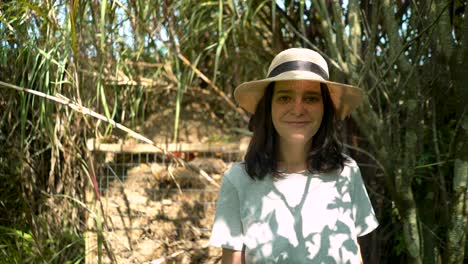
(86, 111)
(367, 154)
(216, 88)
(306, 40)
(410, 42)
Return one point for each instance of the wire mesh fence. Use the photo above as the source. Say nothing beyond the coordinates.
(116, 165)
(154, 209)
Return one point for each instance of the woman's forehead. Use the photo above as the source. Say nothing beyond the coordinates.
(297, 85)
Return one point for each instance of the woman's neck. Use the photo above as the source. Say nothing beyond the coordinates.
(293, 156)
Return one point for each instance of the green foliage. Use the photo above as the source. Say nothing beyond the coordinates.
(122, 59)
(400, 246)
(17, 246)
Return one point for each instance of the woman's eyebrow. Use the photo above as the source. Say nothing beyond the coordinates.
(313, 93)
(284, 91)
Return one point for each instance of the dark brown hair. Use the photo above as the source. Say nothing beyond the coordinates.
(261, 159)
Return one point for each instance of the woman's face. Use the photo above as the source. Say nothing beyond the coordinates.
(296, 110)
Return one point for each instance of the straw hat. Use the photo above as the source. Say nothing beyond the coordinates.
(299, 64)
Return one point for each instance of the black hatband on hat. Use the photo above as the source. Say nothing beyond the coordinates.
(299, 66)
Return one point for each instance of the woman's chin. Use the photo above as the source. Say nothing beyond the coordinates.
(298, 139)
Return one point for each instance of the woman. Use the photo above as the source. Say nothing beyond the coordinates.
(296, 198)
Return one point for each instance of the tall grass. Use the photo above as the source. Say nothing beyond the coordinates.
(42, 143)
(116, 57)
(44, 157)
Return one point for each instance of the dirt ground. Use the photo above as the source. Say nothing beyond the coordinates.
(204, 117)
(148, 220)
(163, 213)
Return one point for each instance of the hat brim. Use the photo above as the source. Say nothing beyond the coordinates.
(346, 98)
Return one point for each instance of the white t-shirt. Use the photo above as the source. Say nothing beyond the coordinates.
(303, 218)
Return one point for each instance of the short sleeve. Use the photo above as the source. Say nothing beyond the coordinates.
(227, 226)
(364, 216)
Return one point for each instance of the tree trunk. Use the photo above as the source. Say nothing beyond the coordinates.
(456, 235)
(458, 225)
(409, 217)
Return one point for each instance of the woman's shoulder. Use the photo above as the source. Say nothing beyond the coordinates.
(350, 167)
(349, 161)
(237, 174)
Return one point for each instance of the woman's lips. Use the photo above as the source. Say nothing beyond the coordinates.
(297, 123)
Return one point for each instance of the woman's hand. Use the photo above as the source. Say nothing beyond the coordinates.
(232, 256)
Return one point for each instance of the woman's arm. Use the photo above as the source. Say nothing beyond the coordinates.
(359, 252)
(232, 256)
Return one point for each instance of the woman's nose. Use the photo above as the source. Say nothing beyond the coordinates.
(298, 107)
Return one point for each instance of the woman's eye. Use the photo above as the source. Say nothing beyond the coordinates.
(283, 99)
(312, 99)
